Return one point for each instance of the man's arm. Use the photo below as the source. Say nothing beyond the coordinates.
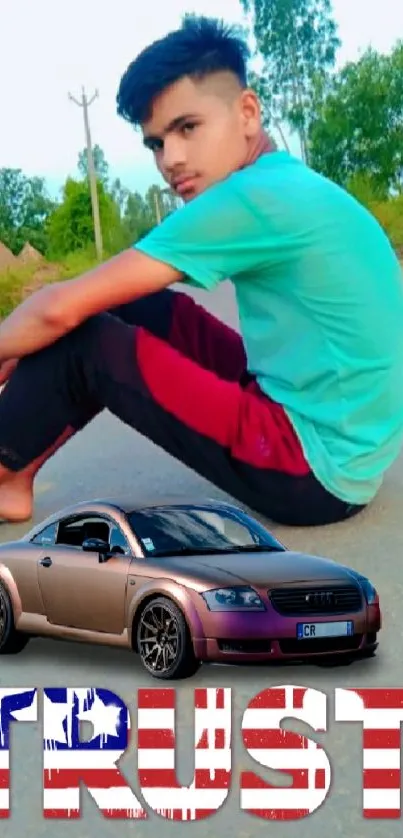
(56, 309)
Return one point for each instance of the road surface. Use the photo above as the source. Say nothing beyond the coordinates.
(372, 543)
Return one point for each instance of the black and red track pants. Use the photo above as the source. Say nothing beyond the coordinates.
(175, 373)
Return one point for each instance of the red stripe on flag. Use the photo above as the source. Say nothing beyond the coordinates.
(381, 739)
(219, 739)
(155, 738)
(186, 814)
(382, 814)
(270, 699)
(71, 814)
(249, 780)
(166, 778)
(158, 699)
(201, 697)
(4, 778)
(277, 739)
(381, 778)
(279, 814)
(299, 694)
(97, 778)
(380, 699)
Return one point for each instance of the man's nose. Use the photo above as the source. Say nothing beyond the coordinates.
(174, 154)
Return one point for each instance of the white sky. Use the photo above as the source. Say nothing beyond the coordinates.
(49, 48)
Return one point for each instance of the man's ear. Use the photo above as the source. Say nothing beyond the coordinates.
(251, 113)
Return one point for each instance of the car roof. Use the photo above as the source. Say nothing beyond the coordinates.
(123, 504)
(129, 504)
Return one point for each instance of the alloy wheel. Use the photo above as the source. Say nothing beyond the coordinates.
(159, 638)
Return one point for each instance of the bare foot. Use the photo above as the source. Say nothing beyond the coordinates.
(16, 488)
(16, 499)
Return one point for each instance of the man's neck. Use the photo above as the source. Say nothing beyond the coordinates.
(261, 145)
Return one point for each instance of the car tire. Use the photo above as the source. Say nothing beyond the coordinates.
(182, 661)
(12, 642)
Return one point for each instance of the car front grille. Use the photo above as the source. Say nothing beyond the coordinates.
(327, 599)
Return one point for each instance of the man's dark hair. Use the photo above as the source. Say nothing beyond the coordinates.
(201, 47)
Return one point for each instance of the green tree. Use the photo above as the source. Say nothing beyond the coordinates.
(120, 194)
(24, 209)
(160, 202)
(100, 164)
(70, 227)
(137, 218)
(356, 131)
(297, 42)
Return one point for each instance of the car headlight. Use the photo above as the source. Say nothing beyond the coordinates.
(371, 594)
(233, 599)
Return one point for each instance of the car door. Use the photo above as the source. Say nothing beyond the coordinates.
(78, 590)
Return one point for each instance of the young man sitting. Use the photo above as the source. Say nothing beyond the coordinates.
(301, 414)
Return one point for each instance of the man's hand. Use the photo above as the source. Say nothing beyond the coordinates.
(60, 307)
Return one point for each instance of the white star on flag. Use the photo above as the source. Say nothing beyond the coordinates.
(103, 718)
(54, 714)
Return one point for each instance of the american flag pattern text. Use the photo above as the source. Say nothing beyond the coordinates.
(287, 752)
(156, 753)
(68, 761)
(381, 714)
(15, 705)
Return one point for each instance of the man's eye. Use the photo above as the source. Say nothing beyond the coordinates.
(154, 145)
(188, 126)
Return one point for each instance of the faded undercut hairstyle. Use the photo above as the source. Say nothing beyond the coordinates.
(201, 47)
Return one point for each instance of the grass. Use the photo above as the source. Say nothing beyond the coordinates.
(18, 283)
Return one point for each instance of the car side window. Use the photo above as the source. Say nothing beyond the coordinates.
(118, 540)
(46, 536)
(72, 533)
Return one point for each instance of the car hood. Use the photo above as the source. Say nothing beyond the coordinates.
(258, 569)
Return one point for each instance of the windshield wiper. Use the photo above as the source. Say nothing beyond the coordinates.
(186, 551)
(254, 548)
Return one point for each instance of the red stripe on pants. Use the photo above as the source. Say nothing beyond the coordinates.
(254, 429)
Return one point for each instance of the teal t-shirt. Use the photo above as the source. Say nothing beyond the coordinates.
(320, 297)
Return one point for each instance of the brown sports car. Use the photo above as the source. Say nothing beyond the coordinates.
(181, 584)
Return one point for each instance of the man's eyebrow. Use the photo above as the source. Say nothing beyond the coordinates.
(172, 126)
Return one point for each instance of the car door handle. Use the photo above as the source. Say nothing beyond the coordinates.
(46, 562)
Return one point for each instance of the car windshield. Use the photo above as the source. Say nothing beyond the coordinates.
(189, 529)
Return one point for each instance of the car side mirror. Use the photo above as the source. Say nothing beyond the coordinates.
(97, 545)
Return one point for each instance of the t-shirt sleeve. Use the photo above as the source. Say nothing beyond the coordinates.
(218, 235)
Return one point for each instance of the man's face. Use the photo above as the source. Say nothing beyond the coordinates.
(200, 132)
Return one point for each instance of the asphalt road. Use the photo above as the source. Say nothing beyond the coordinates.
(372, 543)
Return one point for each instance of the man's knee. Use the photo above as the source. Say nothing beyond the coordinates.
(103, 340)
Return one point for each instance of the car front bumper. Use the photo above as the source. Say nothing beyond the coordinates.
(265, 636)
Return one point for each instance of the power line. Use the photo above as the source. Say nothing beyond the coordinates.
(85, 104)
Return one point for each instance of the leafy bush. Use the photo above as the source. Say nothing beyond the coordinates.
(387, 209)
(13, 283)
(390, 216)
(17, 283)
(77, 262)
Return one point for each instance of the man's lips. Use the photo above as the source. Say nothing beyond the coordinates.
(184, 184)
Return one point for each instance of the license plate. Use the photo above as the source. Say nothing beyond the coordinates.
(307, 631)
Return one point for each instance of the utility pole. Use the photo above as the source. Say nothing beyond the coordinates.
(157, 207)
(85, 104)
